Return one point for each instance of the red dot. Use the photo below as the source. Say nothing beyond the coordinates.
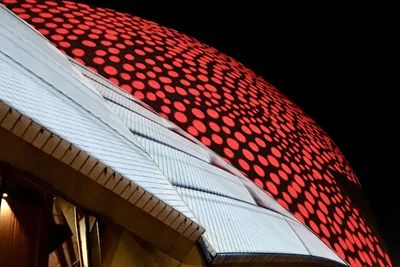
(139, 52)
(150, 61)
(295, 167)
(283, 175)
(239, 136)
(16, 9)
(325, 198)
(260, 142)
(314, 226)
(114, 81)
(194, 92)
(140, 66)
(138, 85)
(212, 113)
(169, 89)
(202, 78)
(166, 110)
(292, 192)
(275, 178)
(139, 95)
(205, 140)
(179, 116)
(24, 16)
(89, 43)
(276, 152)
(228, 121)
(299, 180)
(215, 127)
(273, 160)
(164, 79)
(110, 37)
(126, 88)
(259, 183)
(128, 67)
(321, 216)
(173, 74)
(303, 210)
(114, 59)
(98, 60)
(325, 231)
(217, 139)
(193, 131)
(199, 126)
(299, 217)
(309, 207)
(151, 96)
(78, 52)
(248, 154)
(62, 31)
(253, 146)
(125, 76)
(232, 143)
(100, 53)
(287, 198)
(57, 37)
(179, 106)
(161, 95)
(286, 168)
(340, 251)
(210, 87)
(46, 15)
(271, 188)
(259, 170)
(181, 91)
(154, 84)
(246, 129)
(323, 207)
(129, 57)
(229, 153)
(198, 113)
(110, 70)
(244, 164)
(262, 160)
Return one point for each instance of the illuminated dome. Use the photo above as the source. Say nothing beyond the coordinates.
(226, 106)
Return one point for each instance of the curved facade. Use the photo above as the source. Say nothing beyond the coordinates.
(226, 106)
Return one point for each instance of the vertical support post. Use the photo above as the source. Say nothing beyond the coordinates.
(88, 239)
(78, 237)
(95, 244)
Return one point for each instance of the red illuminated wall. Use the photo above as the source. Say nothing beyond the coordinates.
(228, 107)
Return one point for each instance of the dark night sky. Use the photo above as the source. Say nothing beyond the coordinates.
(338, 61)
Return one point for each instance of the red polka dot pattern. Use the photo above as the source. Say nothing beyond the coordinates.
(226, 106)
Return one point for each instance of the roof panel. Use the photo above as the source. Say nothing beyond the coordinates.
(40, 82)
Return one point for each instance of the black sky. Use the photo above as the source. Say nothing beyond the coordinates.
(339, 61)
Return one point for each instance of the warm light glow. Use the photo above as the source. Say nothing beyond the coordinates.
(5, 195)
(5, 210)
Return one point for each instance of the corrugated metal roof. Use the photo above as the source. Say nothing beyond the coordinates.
(242, 222)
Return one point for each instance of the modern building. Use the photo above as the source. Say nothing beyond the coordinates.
(125, 143)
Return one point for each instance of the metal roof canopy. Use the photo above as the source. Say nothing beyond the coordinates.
(51, 110)
(81, 132)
